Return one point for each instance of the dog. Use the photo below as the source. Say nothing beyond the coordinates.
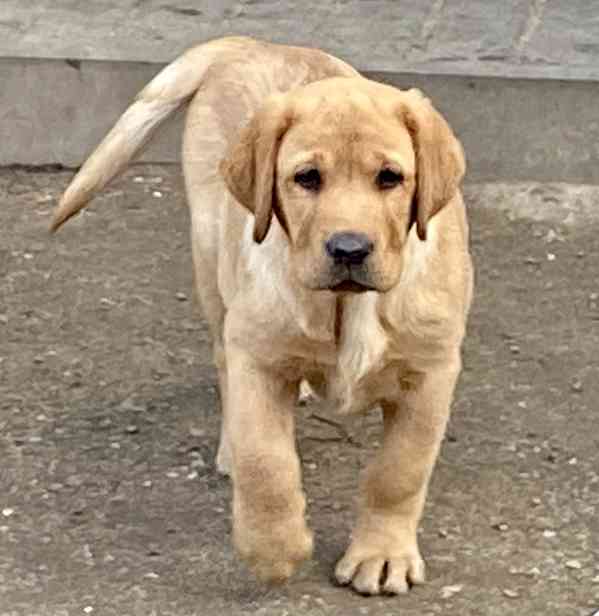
(330, 243)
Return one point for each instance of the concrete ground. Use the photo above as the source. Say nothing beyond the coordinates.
(109, 500)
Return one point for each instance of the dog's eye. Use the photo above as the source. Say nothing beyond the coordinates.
(309, 179)
(387, 178)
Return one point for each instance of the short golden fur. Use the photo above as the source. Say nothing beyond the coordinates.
(330, 244)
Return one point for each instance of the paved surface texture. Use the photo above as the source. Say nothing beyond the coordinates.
(109, 500)
(520, 38)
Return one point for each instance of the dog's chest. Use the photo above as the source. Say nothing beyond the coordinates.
(372, 360)
(357, 374)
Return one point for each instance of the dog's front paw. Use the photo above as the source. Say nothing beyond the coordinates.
(273, 551)
(375, 565)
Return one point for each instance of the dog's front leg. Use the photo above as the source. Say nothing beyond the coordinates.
(269, 529)
(383, 555)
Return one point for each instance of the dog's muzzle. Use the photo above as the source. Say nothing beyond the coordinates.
(349, 252)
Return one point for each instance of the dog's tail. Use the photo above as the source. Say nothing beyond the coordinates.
(169, 90)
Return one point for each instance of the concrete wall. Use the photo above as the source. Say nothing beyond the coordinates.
(516, 129)
(518, 79)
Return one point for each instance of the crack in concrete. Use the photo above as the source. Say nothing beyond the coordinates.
(430, 25)
(536, 8)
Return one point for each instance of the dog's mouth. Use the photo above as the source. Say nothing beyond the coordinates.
(347, 280)
(350, 286)
(351, 280)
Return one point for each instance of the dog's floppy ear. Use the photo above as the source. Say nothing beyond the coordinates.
(440, 163)
(249, 168)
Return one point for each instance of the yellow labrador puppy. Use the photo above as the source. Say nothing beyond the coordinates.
(329, 244)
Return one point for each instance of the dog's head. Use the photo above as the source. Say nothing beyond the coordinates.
(346, 165)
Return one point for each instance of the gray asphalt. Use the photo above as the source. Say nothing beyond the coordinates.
(109, 500)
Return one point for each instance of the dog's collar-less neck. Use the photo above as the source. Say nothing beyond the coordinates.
(338, 319)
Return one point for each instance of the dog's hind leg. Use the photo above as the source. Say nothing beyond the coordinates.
(223, 455)
(213, 310)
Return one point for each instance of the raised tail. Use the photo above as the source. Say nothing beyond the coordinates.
(168, 91)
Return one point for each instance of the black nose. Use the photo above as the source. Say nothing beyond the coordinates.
(349, 248)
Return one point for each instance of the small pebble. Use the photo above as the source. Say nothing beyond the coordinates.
(595, 580)
(181, 297)
(197, 463)
(151, 575)
(131, 429)
(7, 512)
(115, 445)
(172, 474)
(550, 256)
(157, 194)
(511, 594)
(35, 439)
(130, 405)
(38, 359)
(138, 179)
(515, 349)
(576, 385)
(147, 484)
(548, 534)
(449, 591)
(573, 461)
(536, 501)
(88, 609)
(573, 564)
(192, 475)
(3, 319)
